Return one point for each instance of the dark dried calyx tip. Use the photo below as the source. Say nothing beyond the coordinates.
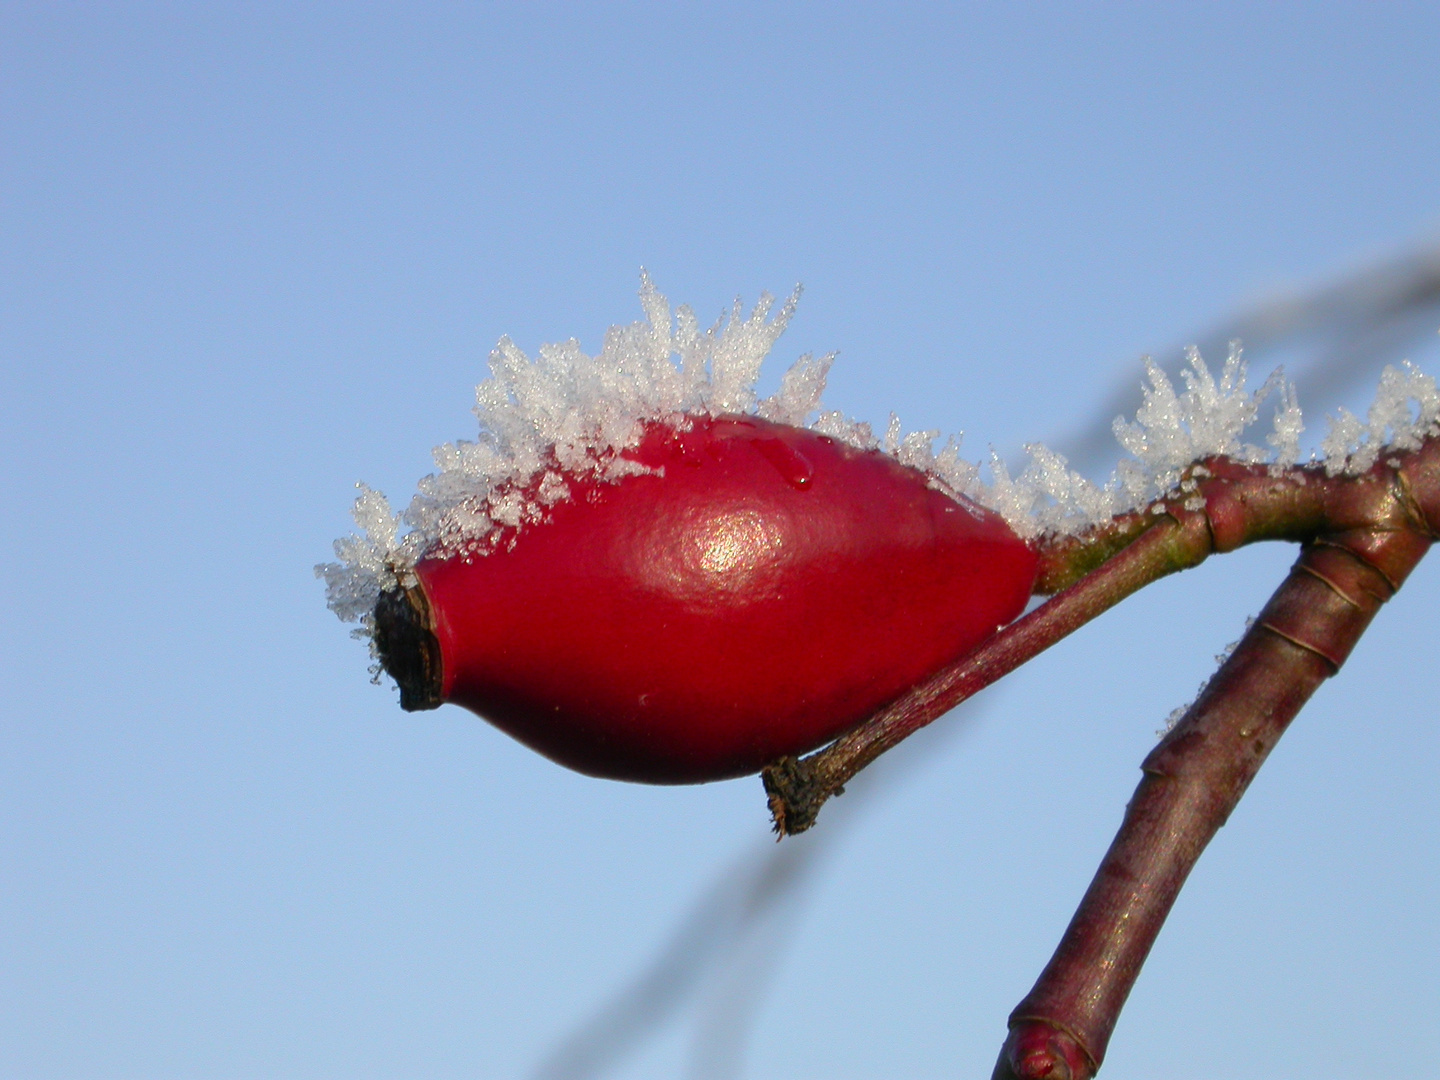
(409, 650)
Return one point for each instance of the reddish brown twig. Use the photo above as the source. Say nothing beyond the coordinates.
(1090, 574)
(1192, 782)
(1362, 534)
(1198, 773)
(797, 788)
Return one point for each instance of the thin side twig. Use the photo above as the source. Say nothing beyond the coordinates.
(798, 787)
(1242, 504)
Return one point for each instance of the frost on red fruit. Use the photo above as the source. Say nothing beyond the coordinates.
(644, 570)
(758, 590)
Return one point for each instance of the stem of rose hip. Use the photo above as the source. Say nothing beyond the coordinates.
(1141, 549)
(1193, 780)
(1242, 504)
(798, 788)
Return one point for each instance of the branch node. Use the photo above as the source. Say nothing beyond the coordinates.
(1334, 662)
(1042, 1049)
(1331, 583)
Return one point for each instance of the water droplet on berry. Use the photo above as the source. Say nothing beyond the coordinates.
(790, 463)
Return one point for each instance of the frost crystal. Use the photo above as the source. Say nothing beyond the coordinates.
(1178, 713)
(566, 417)
(1171, 431)
(1406, 410)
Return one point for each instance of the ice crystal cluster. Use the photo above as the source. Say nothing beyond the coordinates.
(566, 417)
(1177, 714)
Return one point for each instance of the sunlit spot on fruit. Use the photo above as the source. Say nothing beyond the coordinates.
(730, 548)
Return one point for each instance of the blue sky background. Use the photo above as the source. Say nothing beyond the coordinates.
(253, 254)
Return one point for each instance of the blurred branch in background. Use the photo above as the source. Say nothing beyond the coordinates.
(725, 947)
(1333, 336)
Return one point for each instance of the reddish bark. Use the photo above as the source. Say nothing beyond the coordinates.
(1361, 536)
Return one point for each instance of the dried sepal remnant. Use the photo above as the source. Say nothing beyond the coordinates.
(566, 418)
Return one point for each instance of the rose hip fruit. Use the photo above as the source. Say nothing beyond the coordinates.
(760, 591)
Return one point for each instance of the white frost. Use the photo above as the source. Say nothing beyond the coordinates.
(1178, 713)
(1406, 410)
(563, 417)
(1171, 431)
(566, 416)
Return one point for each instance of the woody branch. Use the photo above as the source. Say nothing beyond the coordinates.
(1361, 536)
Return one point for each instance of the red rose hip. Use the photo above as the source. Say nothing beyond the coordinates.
(758, 591)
